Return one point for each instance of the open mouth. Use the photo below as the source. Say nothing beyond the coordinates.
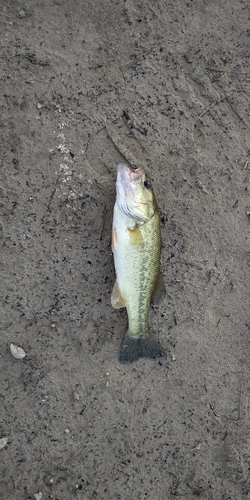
(126, 179)
(129, 176)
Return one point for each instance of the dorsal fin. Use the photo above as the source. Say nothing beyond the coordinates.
(159, 290)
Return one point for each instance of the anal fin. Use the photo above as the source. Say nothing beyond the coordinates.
(117, 299)
(159, 290)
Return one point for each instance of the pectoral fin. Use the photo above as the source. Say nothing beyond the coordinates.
(114, 239)
(159, 290)
(136, 236)
(117, 299)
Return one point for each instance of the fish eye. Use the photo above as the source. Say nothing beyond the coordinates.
(147, 184)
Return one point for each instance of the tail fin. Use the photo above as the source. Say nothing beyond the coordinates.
(134, 348)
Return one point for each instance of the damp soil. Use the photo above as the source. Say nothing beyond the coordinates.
(85, 85)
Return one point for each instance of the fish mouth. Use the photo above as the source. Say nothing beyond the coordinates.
(128, 176)
(126, 179)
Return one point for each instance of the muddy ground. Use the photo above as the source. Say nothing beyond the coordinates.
(86, 84)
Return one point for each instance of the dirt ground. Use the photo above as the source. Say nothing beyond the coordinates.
(86, 84)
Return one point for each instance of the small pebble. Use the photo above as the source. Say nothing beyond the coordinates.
(17, 352)
(24, 13)
(38, 496)
(76, 395)
(3, 442)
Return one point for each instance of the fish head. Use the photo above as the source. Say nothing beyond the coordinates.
(134, 194)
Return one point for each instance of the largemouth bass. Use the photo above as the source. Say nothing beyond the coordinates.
(136, 246)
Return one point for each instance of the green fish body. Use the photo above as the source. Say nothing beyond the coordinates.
(136, 245)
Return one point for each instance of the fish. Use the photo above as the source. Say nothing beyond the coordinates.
(136, 247)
